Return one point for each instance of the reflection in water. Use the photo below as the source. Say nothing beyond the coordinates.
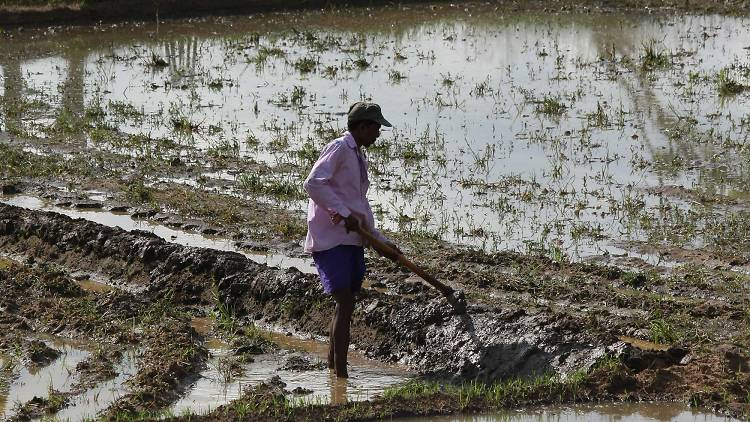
(184, 54)
(625, 412)
(367, 377)
(58, 375)
(73, 93)
(338, 388)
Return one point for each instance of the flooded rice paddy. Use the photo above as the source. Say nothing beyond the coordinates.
(607, 138)
(574, 135)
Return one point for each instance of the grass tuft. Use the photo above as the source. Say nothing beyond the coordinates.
(653, 58)
(727, 86)
(306, 64)
(551, 107)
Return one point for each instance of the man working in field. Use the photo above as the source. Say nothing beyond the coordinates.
(337, 186)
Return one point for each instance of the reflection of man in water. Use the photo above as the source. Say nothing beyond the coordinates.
(337, 186)
(338, 389)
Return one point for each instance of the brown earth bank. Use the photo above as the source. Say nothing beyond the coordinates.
(40, 13)
(527, 316)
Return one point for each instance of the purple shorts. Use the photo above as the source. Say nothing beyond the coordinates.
(341, 267)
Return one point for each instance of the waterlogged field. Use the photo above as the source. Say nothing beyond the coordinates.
(572, 135)
(583, 177)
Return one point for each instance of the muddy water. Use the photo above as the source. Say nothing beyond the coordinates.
(126, 222)
(319, 349)
(6, 376)
(212, 390)
(95, 286)
(27, 383)
(19, 384)
(476, 155)
(366, 377)
(630, 412)
(87, 405)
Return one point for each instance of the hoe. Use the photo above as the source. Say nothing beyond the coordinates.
(455, 297)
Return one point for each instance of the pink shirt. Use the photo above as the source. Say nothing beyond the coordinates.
(337, 183)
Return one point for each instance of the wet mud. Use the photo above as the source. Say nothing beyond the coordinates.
(609, 262)
(425, 335)
(43, 300)
(516, 330)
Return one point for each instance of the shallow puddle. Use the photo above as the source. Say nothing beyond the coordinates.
(58, 375)
(6, 375)
(627, 412)
(126, 222)
(19, 384)
(366, 377)
(95, 286)
(87, 406)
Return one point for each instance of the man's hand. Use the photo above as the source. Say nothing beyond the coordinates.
(352, 222)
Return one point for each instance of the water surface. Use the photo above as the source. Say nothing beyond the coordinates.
(625, 412)
(476, 155)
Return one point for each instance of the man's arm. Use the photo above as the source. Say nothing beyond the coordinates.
(317, 184)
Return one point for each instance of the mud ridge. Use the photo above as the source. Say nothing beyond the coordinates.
(487, 343)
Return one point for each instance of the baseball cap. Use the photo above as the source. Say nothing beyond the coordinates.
(362, 110)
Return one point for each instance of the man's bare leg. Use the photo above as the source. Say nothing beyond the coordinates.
(331, 341)
(342, 318)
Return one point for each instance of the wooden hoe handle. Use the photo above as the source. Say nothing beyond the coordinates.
(446, 290)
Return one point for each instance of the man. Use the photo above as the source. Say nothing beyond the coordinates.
(337, 186)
